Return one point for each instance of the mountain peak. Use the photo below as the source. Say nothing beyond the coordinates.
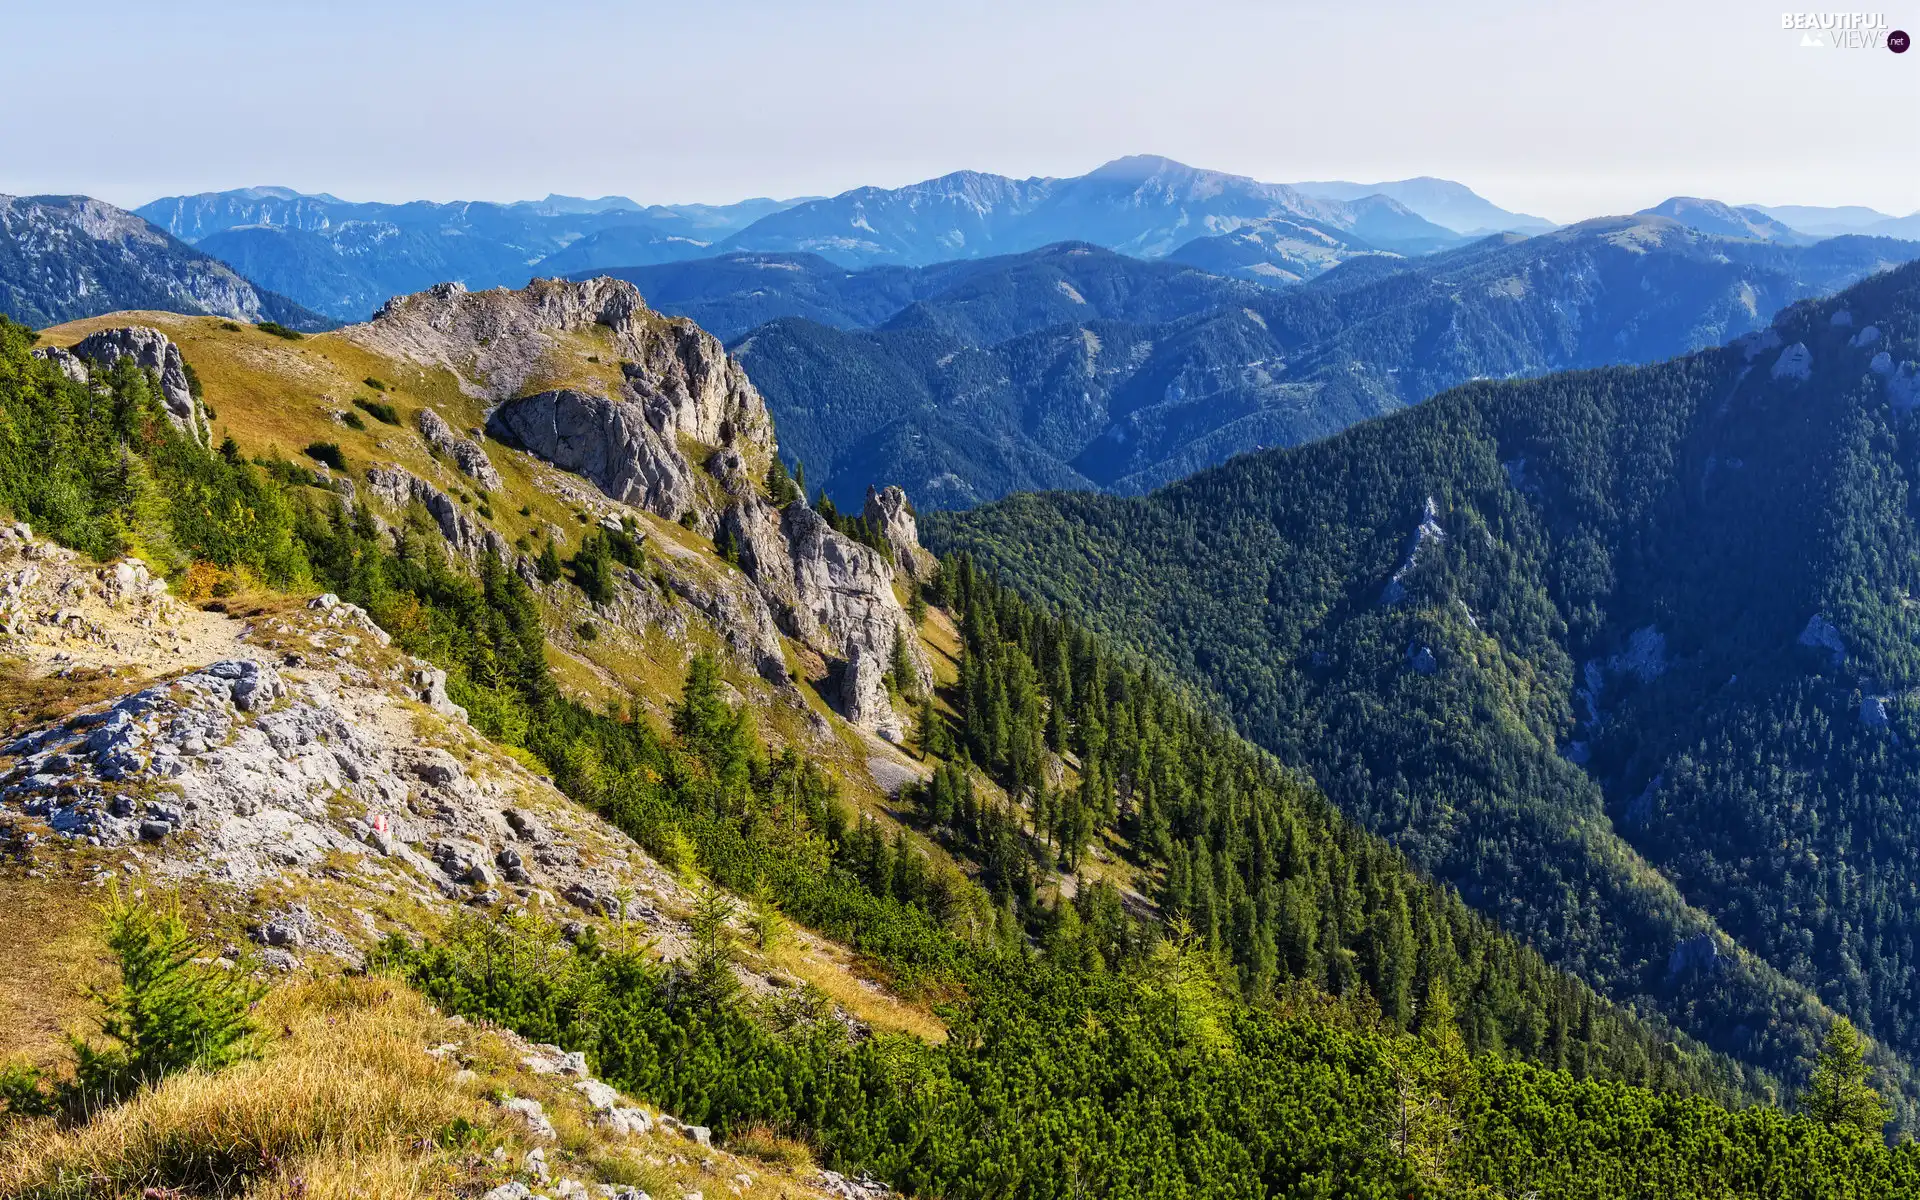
(1139, 167)
(1724, 220)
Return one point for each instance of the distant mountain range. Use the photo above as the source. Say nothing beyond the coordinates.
(1786, 223)
(1725, 220)
(346, 259)
(1442, 201)
(1143, 205)
(1831, 222)
(1075, 367)
(63, 258)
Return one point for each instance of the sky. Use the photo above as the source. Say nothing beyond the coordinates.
(1563, 110)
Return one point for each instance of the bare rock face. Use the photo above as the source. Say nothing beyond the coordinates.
(888, 508)
(498, 341)
(494, 341)
(64, 360)
(610, 442)
(863, 695)
(1426, 533)
(398, 487)
(689, 385)
(830, 593)
(465, 453)
(150, 350)
(846, 589)
(677, 388)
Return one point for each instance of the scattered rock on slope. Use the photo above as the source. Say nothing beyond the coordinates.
(465, 453)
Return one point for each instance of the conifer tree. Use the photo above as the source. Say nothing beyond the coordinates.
(165, 1013)
(1838, 1095)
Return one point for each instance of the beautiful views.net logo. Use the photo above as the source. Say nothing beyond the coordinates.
(1846, 31)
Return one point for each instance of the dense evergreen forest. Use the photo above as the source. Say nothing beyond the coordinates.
(1311, 1018)
(1622, 655)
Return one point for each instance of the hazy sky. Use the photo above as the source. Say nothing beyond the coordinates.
(1563, 110)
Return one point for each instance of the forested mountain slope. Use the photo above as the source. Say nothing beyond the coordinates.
(1554, 636)
(1007, 382)
(976, 301)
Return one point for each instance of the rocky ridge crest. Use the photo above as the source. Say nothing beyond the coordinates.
(684, 436)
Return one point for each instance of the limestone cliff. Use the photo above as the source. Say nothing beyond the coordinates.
(502, 344)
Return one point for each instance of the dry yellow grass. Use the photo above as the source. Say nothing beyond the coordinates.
(50, 944)
(31, 700)
(344, 1101)
(833, 970)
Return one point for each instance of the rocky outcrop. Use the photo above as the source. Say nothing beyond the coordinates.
(677, 387)
(622, 428)
(1795, 362)
(244, 770)
(863, 695)
(498, 341)
(494, 341)
(150, 350)
(888, 510)
(827, 591)
(465, 453)
(64, 361)
(1821, 634)
(1697, 953)
(841, 588)
(1903, 381)
(610, 442)
(398, 487)
(689, 385)
(1427, 532)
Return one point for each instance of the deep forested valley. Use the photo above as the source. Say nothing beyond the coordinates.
(1554, 637)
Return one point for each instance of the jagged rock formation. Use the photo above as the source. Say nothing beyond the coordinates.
(622, 431)
(863, 695)
(399, 487)
(888, 508)
(678, 389)
(498, 342)
(609, 442)
(827, 591)
(465, 453)
(64, 360)
(150, 350)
